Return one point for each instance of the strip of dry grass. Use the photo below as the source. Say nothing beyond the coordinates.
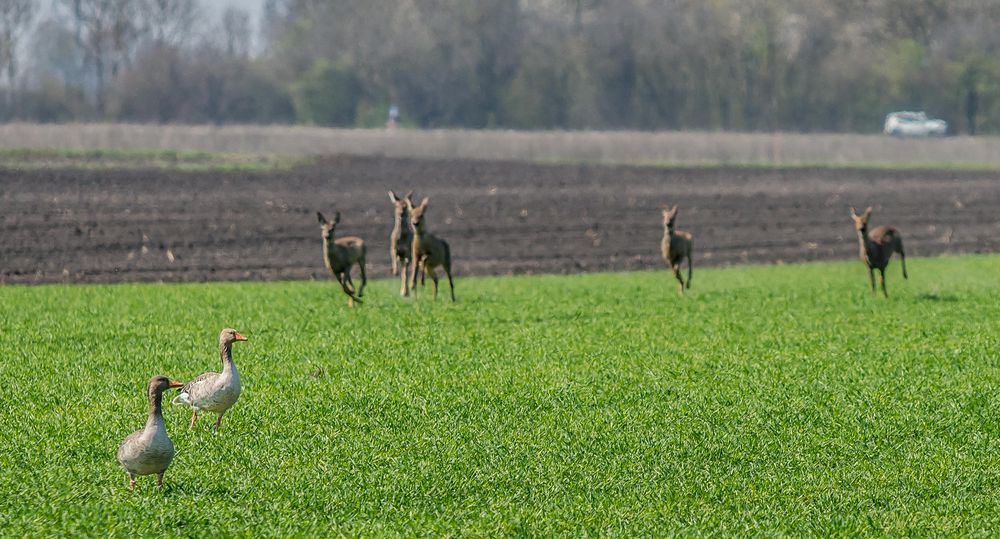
(102, 159)
(540, 146)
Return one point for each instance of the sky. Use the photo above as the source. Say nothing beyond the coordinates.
(213, 9)
(253, 7)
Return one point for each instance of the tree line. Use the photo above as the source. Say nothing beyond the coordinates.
(745, 65)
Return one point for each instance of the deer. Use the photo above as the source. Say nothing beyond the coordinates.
(675, 247)
(427, 251)
(401, 240)
(342, 253)
(877, 246)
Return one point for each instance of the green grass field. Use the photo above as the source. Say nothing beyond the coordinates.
(772, 400)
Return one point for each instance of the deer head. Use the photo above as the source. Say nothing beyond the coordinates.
(669, 215)
(417, 213)
(401, 205)
(861, 221)
(328, 227)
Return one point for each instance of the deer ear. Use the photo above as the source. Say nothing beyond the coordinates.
(336, 218)
(423, 203)
(673, 211)
(868, 212)
(854, 212)
(393, 197)
(322, 220)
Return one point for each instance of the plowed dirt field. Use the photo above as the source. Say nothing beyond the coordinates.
(86, 225)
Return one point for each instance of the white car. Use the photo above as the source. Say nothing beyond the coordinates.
(913, 124)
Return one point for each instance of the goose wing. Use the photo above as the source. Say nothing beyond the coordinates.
(192, 390)
(129, 447)
(204, 377)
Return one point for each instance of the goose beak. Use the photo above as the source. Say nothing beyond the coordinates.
(176, 384)
(240, 337)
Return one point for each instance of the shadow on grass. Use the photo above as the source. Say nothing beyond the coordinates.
(937, 297)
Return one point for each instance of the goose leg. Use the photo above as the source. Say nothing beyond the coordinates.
(218, 422)
(159, 480)
(194, 417)
(131, 482)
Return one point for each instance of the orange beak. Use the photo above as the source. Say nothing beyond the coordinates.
(175, 383)
(240, 337)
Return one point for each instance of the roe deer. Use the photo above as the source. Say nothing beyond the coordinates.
(877, 247)
(428, 251)
(340, 254)
(401, 240)
(675, 247)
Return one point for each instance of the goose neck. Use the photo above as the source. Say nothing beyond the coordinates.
(226, 353)
(155, 406)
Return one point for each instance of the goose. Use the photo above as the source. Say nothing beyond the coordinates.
(214, 391)
(149, 450)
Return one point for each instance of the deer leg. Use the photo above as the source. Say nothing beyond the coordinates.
(881, 276)
(871, 277)
(451, 283)
(395, 260)
(364, 278)
(413, 275)
(902, 261)
(688, 285)
(680, 280)
(404, 289)
(423, 272)
(344, 277)
(434, 278)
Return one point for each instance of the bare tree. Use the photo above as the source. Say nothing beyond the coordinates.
(170, 22)
(236, 31)
(808, 65)
(107, 32)
(15, 17)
